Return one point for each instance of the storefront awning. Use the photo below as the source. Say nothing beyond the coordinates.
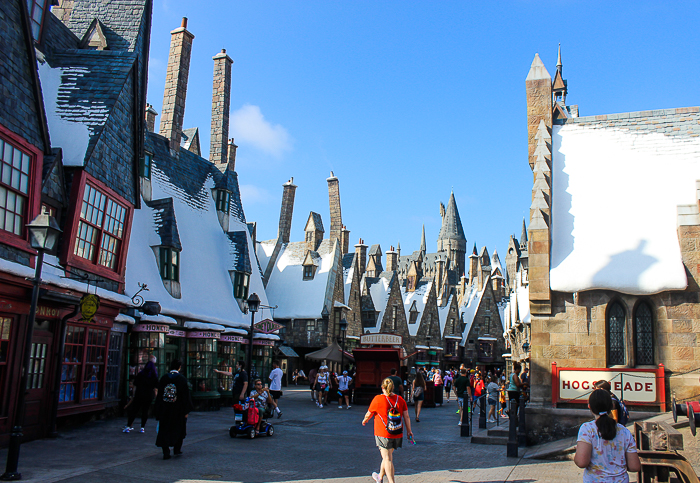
(287, 351)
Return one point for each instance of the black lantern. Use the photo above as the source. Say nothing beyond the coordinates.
(343, 324)
(253, 303)
(43, 232)
(526, 346)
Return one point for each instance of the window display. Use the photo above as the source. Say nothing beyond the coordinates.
(228, 354)
(84, 353)
(202, 358)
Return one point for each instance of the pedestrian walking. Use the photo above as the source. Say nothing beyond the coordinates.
(605, 449)
(502, 400)
(390, 413)
(492, 397)
(173, 405)
(312, 383)
(240, 381)
(344, 390)
(439, 388)
(145, 389)
(418, 392)
(463, 392)
(398, 384)
(322, 385)
(276, 385)
(514, 385)
(447, 380)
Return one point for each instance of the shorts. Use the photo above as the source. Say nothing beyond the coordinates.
(448, 386)
(388, 443)
(275, 394)
(345, 393)
(317, 387)
(419, 398)
(492, 402)
(460, 401)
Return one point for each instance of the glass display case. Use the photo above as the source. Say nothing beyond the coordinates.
(202, 359)
(228, 353)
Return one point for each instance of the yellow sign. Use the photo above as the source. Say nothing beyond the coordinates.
(89, 305)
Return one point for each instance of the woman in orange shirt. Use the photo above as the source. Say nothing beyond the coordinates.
(392, 413)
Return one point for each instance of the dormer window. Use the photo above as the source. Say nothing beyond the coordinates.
(309, 272)
(241, 282)
(223, 201)
(37, 12)
(169, 264)
(411, 284)
(145, 166)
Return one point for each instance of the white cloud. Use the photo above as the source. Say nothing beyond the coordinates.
(249, 126)
(251, 194)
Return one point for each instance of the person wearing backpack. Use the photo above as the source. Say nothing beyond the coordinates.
(619, 411)
(390, 414)
(173, 404)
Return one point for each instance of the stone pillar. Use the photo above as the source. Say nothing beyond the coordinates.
(439, 275)
(231, 156)
(345, 240)
(392, 260)
(151, 118)
(285, 225)
(173, 113)
(220, 107)
(361, 253)
(334, 202)
(539, 103)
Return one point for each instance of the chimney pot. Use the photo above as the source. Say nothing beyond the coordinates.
(184, 23)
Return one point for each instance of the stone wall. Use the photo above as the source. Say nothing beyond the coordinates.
(220, 106)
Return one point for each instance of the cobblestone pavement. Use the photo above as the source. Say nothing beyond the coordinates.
(310, 444)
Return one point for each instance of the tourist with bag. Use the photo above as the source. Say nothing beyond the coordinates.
(418, 393)
(390, 414)
(173, 405)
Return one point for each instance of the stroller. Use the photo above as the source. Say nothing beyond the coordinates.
(241, 417)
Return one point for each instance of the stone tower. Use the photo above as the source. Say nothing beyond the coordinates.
(452, 239)
(336, 231)
(220, 106)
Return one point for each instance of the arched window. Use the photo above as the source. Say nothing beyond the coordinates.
(616, 335)
(644, 335)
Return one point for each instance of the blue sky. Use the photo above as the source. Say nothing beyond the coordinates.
(407, 100)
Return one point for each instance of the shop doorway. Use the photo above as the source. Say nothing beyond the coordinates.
(172, 352)
(38, 399)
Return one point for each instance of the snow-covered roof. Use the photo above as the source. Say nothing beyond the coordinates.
(622, 234)
(443, 312)
(125, 319)
(158, 319)
(379, 289)
(204, 326)
(502, 307)
(208, 253)
(298, 298)
(470, 305)
(420, 297)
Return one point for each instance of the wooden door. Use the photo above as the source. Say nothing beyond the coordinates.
(38, 400)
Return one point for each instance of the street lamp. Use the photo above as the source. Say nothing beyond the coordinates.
(253, 305)
(43, 235)
(343, 329)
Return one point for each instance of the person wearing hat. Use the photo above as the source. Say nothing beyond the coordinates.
(320, 384)
(343, 390)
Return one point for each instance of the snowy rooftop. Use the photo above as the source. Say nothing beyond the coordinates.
(379, 290)
(420, 297)
(470, 305)
(622, 234)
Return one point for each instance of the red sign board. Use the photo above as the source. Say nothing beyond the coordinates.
(268, 326)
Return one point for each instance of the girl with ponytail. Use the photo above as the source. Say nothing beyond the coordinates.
(604, 448)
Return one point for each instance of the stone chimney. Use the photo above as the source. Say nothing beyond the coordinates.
(175, 93)
(345, 240)
(334, 202)
(220, 107)
(150, 118)
(439, 275)
(473, 265)
(231, 157)
(392, 260)
(361, 253)
(63, 10)
(287, 208)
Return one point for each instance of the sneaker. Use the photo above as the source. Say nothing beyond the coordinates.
(457, 411)
(340, 407)
(127, 429)
(321, 406)
(279, 414)
(317, 403)
(459, 423)
(375, 477)
(142, 430)
(349, 407)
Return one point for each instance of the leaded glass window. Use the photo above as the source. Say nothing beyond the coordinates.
(644, 343)
(616, 335)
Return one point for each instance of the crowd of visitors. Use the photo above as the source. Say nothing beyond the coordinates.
(327, 386)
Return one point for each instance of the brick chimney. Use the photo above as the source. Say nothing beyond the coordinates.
(220, 106)
(334, 202)
(361, 253)
(285, 226)
(150, 118)
(392, 260)
(345, 240)
(231, 156)
(473, 265)
(175, 93)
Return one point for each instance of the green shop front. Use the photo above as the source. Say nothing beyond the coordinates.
(164, 342)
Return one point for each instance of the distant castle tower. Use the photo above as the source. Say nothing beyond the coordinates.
(451, 238)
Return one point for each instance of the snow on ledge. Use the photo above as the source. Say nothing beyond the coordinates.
(158, 319)
(125, 319)
(204, 326)
(235, 331)
(614, 211)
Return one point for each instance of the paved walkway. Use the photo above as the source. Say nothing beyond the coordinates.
(310, 444)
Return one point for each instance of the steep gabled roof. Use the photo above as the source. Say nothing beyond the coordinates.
(165, 222)
(451, 223)
(190, 140)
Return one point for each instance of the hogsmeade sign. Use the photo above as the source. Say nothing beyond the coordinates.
(635, 386)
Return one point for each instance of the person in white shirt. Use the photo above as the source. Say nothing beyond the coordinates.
(276, 385)
(343, 390)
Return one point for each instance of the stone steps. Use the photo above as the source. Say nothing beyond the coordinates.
(499, 440)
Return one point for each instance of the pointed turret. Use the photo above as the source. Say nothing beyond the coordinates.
(523, 236)
(423, 247)
(559, 66)
(451, 238)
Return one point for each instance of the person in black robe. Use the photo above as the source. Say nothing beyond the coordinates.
(145, 387)
(173, 404)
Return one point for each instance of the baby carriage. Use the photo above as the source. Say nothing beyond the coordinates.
(245, 419)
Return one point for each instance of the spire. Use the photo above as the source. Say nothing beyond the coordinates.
(537, 70)
(474, 252)
(451, 222)
(523, 237)
(422, 240)
(559, 66)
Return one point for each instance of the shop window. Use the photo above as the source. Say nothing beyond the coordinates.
(114, 358)
(143, 345)
(227, 357)
(94, 363)
(37, 366)
(241, 281)
(309, 271)
(369, 318)
(201, 360)
(73, 357)
(85, 351)
(37, 12)
(644, 335)
(145, 166)
(616, 334)
(100, 229)
(15, 169)
(223, 200)
(262, 363)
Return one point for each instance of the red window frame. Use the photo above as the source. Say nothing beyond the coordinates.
(74, 219)
(37, 4)
(87, 373)
(32, 208)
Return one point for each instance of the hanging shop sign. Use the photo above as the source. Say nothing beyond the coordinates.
(268, 326)
(203, 334)
(89, 304)
(381, 339)
(233, 338)
(634, 386)
(151, 328)
(176, 333)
